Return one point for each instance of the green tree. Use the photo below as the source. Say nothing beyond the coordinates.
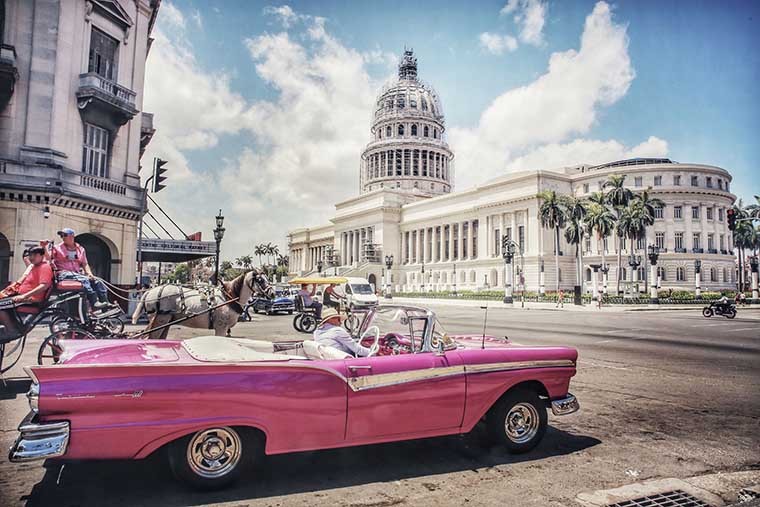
(553, 214)
(633, 222)
(600, 221)
(259, 250)
(575, 208)
(181, 274)
(650, 204)
(618, 196)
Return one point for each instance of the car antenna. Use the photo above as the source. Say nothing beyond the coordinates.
(485, 320)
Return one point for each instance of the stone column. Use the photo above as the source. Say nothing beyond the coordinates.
(451, 242)
(462, 241)
(441, 244)
(424, 244)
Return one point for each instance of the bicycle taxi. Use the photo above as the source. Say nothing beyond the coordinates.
(305, 319)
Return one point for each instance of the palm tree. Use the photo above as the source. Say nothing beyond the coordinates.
(259, 250)
(754, 209)
(275, 251)
(745, 237)
(633, 222)
(576, 210)
(618, 196)
(283, 260)
(246, 261)
(553, 215)
(649, 204)
(600, 220)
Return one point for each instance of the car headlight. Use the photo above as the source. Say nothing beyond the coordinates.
(34, 397)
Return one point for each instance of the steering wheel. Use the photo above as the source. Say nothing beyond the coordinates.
(376, 343)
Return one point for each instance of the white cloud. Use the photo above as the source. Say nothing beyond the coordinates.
(497, 44)
(197, 19)
(171, 16)
(285, 15)
(530, 16)
(562, 102)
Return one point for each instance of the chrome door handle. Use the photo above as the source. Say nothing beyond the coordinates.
(362, 367)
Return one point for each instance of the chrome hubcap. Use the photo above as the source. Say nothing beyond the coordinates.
(521, 423)
(215, 452)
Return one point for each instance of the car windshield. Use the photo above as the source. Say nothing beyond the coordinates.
(361, 288)
(440, 334)
(409, 324)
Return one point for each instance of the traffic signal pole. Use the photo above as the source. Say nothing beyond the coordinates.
(143, 204)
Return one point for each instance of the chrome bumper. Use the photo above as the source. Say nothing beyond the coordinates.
(566, 405)
(39, 440)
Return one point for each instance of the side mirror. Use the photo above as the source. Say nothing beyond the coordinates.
(439, 348)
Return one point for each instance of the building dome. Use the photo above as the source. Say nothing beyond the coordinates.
(408, 150)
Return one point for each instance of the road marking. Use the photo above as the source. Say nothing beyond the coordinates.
(585, 362)
(709, 325)
(746, 329)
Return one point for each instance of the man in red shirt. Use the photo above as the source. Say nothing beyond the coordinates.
(33, 289)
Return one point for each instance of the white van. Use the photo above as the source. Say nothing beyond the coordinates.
(359, 293)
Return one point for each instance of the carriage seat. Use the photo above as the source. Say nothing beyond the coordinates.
(314, 350)
(300, 308)
(68, 286)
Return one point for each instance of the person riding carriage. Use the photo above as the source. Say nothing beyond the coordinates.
(26, 294)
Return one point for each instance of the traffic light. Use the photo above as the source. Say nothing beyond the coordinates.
(158, 177)
(731, 217)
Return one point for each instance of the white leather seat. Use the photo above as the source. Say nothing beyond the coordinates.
(313, 350)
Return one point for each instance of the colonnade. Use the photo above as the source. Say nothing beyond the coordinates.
(352, 244)
(407, 162)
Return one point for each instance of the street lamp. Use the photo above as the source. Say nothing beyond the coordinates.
(508, 252)
(634, 261)
(698, 278)
(455, 279)
(422, 282)
(388, 266)
(654, 254)
(605, 270)
(218, 235)
(754, 264)
(320, 264)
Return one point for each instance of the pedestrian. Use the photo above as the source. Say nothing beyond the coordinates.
(744, 299)
(560, 299)
(69, 259)
(31, 290)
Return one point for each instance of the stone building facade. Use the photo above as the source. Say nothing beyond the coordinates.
(72, 129)
(443, 240)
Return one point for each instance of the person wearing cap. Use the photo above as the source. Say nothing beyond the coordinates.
(32, 290)
(329, 332)
(69, 258)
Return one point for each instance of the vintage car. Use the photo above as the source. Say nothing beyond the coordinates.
(282, 302)
(214, 404)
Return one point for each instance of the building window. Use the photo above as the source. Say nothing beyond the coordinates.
(521, 238)
(727, 190)
(641, 274)
(425, 130)
(676, 211)
(708, 182)
(432, 186)
(695, 181)
(465, 230)
(640, 243)
(638, 181)
(600, 184)
(588, 275)
(474, 239)
(415, 161)
(423, 103)
(695, 212)
(400, 130)
(679, 241)
(623, 274)
(657, 181)
(435, 133)
(725, 275)
(696, 240)
(585, 188)
(587, 243)
(388, 131)
(710, 242)
(721, 241)
(104, 55)
(661, 273)
(720, 183)
(659, 240)
(400, 102)
(680, 274)
(95, 151)
(720, 214)
(709, 213)
(413, 103)
(414, 130)
(658, 212)
(398, 163)
(676, 180)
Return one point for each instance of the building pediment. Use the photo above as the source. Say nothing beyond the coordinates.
(112, 10)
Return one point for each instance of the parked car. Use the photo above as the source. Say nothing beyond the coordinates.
(282, 302)
(359, 293)
(214, 404)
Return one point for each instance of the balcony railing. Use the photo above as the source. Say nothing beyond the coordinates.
(101, 99)
(92, 79)
(8, 73)
(697, 250)
(103, 184)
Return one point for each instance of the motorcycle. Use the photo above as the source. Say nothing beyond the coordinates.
(728, 310)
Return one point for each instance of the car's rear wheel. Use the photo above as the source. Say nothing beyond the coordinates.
(518, 420)
(213, 458)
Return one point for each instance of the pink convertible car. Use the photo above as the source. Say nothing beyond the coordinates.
(213, 404)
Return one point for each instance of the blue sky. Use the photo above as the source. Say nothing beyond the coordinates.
(671, 78)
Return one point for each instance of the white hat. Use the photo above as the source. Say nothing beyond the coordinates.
(331, 313)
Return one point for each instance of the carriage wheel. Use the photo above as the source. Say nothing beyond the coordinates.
(114, 325)
(60, 323)
(51, 348)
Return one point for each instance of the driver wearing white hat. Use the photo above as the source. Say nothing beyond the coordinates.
(330, 332)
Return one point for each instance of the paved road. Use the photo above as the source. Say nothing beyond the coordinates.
(663, 394)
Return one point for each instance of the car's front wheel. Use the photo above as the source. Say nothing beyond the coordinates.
(518, 420)
(212, 458)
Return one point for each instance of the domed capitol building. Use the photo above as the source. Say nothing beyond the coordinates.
(444, 240)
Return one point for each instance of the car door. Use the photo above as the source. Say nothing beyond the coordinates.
(404, 395)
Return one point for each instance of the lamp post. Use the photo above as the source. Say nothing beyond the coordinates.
(654, 254)
(422, 281)
(508, 248)
(634, 261)
(455, 279)
(698, 278)
(541, 278)
(754, 264)
(218, 235)
(605, 270)
(595, 292)
(388, 266)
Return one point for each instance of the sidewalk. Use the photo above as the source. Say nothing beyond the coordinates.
(570, 307)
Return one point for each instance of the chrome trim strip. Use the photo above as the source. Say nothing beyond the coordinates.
(519, 365)
(39, 440)
(566, 405)
(402, 377)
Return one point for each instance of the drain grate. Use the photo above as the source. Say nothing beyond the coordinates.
(675, 498)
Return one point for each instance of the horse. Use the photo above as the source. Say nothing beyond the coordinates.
(168, 303)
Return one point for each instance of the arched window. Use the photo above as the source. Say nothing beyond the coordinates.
(426, 131)
(414, 130)
(400, 130)
(725, 275)
(661, 273)
(588, 274)
(423, 103)
(388, 131)
(641, 274)
(435, 133)
(413, 103)
(713, 275)
(680, 274)
(623, 274)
